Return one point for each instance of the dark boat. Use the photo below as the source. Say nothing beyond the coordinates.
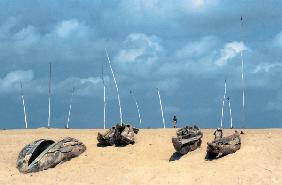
(119, 135)
(222, 146)
(187, 139)
(43, 154)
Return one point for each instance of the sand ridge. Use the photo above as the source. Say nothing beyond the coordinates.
(259, 161)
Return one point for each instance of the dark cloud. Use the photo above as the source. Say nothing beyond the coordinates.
(185, 48)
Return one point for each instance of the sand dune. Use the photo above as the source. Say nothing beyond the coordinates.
(259, 161)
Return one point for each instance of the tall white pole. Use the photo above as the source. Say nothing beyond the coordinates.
(70, 106)
(222, 109)
(49, 110)
(104, 96)
(120, 112)
(243, 83)
(22, 95)
(137, 106)
(161, 107)
(243, 88)
(104, 106)
(230, 111)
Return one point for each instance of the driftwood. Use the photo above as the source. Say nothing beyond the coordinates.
(188, 139)
(43, 154)
(222, 146)
(119, 135)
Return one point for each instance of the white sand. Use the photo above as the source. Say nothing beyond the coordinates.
(259, 161)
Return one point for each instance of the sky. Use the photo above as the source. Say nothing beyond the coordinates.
(186, 48)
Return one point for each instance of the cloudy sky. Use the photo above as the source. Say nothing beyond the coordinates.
(186, 48)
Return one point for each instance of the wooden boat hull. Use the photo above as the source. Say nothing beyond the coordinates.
(224, 146)
(43, 154)
(188, 139)
(120, 135)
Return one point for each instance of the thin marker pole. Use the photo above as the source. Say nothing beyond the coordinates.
(49, 111)
(224, 96)
(243, 89)
(104, 96)
(22, 95)
(230, 111)
(161, 107)
(120, 112)
(243, 83)
(137, 106)
(104, 107)
(70, 106)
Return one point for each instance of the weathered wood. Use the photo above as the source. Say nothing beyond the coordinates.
(218, 133)
(43, 154)
(188, 139)
(119, 135)
(222, 146)
(107, 139)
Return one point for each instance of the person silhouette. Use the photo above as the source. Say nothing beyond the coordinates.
(174, 122)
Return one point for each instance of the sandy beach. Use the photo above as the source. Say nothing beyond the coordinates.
(259, 161)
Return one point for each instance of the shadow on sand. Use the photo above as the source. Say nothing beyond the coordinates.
(108, 145)
(212, 156)
(175, 156)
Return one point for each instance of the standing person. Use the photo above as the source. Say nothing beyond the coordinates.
(174, 121)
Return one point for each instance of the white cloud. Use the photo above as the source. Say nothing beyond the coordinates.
(266, 67)
(203, 58)
(199, 5)
(139, 54)
(198, 48)
(11, 82)
(67, 27)
(84, 86)
(151, 42)
(70, 40)
(137, 9)
(195, 57)
(229, 51)
(26, 38)
(129, 55)
(278, 39)
(164, 8)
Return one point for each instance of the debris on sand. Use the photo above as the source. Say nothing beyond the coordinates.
(188, 139)
(119, 135)
(222, 146)
(43, 154)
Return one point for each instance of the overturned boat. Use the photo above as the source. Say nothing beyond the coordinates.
(222, 146)
(43, 154)
(119, 135)
(188, 139)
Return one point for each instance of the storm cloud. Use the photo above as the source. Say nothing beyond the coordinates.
(185, 48)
